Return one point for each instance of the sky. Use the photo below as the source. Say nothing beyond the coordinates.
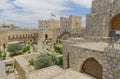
(26, 13)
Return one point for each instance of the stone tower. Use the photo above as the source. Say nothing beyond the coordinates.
(101, 21)
(48, 24)
(76, 22)
(64, 24)
(69, 23)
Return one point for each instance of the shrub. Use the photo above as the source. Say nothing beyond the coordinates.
(45, 60)
(14, 49)
(31, 62)
(58, 49)
(27, 48)
(3, 56)
(0, 53)
(60, 58)
(9, 64)
(60, 42)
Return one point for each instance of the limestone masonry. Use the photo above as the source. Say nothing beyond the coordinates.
(91, 52)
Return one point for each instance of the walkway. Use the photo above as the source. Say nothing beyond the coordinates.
(93, 46)
(55, 72)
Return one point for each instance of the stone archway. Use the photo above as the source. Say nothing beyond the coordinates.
(114, 25)
(92, 67)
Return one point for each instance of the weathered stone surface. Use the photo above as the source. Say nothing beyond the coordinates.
(75, 54)
(98, 22)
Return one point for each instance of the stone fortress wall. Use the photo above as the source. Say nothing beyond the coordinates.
(94, 58)
(70, 26)
(75, 57)
(50, 29)
(23, 35)
(98, 22)
(94, 54)
(67, 27)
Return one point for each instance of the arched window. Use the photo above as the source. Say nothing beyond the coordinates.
(46, 36)
(68, 62)
(9, 37)
(16, 36)
(4, 46)
(13, 36)
(20, 36)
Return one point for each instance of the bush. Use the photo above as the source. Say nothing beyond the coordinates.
(9, 64)
(58, 49)
(31, 62)
(0, 53)
(14, 49)
(27, 48)
(3, 56)
(45, 60)
(60, 42)
(60, 61)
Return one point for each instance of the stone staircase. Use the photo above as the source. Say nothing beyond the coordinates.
(55, 72)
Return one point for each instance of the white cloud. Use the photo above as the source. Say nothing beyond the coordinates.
(84, 3)
(33, 10)
(5, 5)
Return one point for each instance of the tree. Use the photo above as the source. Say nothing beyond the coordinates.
(14, 49)
(45, 60)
